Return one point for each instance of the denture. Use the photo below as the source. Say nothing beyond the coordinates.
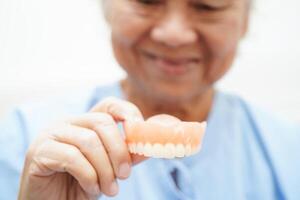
(164, 136)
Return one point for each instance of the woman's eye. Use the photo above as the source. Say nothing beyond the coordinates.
(149, 2)
(204, 7)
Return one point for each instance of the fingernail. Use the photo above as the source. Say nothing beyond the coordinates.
(124, 170)
(113, 188)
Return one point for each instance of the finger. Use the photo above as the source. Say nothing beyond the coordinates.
(106, 128)
(121, 110)
(90, 145)
(136, 159)
(52, 157)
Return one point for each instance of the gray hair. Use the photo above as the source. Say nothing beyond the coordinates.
(104, 5)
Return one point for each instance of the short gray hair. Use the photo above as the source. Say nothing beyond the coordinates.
(104, 5)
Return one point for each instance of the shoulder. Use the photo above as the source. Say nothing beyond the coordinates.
(269, 126)
(262, 118)
(277, 139)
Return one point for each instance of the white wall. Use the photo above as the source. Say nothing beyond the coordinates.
(49, 46)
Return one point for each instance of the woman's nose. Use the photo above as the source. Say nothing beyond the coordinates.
(174, 30)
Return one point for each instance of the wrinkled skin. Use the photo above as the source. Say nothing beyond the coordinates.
(201, 35)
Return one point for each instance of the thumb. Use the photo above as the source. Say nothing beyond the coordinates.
(121, 110)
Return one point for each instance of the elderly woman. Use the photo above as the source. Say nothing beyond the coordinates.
(173, 52)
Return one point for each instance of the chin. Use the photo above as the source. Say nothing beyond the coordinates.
(173, 94)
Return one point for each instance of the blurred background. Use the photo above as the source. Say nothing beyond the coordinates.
(48, 47)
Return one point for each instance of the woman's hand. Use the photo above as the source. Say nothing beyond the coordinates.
(81, 157)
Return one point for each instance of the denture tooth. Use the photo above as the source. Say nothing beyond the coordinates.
(169, 150)
(188, 150)
(163, 151)
(130, 147)
(204, 125)
(148, 149)
(140, 148)
(133, 147)
(179, 150)
(157, 150)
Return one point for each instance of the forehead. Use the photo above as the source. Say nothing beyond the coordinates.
(121, 3)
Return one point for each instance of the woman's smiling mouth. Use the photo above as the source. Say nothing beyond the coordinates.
(172, 66)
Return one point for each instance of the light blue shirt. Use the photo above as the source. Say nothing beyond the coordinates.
(246, 153)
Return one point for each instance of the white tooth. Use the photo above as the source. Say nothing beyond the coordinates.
(188, 150)
(148, 149)
(163, 151)
(130, 147)
(169, 150)
(158, 150)
(140, 148)
(133, 147)
(204, 125)
(180, 150)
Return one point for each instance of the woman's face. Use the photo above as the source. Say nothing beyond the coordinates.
(176, 48)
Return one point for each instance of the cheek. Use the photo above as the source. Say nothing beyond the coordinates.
(127, 29)
(127, 25)
(220, 42)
